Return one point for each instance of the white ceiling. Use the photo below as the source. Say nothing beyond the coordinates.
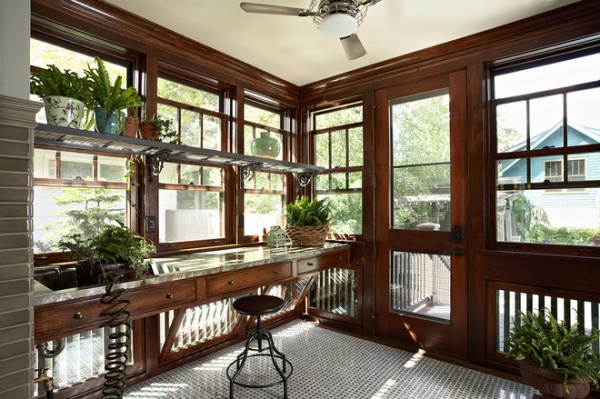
(293, 49)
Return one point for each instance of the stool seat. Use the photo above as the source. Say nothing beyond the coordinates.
(258, 305)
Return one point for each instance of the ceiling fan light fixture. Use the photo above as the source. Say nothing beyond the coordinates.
(338, 25)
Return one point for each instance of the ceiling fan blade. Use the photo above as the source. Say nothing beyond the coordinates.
(276, 10)
(353, 47)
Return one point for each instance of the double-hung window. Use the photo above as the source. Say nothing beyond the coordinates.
(545, 151)
(337, 142)
(191, 196)
(265, 192)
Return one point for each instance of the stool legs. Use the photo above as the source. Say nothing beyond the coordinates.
(260, 334)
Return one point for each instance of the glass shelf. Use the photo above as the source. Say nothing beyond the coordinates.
(68, 138)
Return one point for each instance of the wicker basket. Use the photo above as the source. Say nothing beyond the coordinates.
(307, 236)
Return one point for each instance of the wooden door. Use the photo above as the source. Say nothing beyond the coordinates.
(420, 211)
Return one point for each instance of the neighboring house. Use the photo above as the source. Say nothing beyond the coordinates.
(576, 207)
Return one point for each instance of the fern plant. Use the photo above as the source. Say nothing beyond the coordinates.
(549, 344)
(53, 81)
(304, 212)
(110, 96)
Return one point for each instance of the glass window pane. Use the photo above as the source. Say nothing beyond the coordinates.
(346, 215)
(169, 174)
(59, 211)
(421, 161)
(76, 166)
(511, 125)
(338, 117)
(112, 169)
(322, 150)
(583, 118)
(211, 127)
(355, 142)
(190, 129)
(262, 116)
(170, 90)
(338, 149)
(546, 77)
(568, 217)
(546, 115)
(189, 215)
(44, 163)
(420, 284)
(261, 211)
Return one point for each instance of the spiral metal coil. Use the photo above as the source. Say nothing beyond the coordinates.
(116, 358)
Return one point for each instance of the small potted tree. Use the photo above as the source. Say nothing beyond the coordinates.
(65, 95)
(116, 249)
(308, 221)
(108, 100)
(556, 359)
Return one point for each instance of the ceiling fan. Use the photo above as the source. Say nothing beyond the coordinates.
(337, 18)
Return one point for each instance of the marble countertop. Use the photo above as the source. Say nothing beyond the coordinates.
(191, 265)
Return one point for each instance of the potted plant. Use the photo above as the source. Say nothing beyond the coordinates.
(116, 249)
(65, 95)
(108, 100)
(555, 358)
(308, 221)
(159, 129)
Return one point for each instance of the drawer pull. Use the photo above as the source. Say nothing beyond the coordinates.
(78, 316)
(230, 282)
(169, 296)
(276, 271)
(310, 264)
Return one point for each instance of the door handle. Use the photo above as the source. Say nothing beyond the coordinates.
(458, 252)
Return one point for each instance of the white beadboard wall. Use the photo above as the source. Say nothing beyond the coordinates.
(17, 120)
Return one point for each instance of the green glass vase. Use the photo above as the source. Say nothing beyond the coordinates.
(265, 146)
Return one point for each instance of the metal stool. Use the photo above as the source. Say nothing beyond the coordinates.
(259, 305)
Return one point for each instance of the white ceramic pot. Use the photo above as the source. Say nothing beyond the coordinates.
(64, 111)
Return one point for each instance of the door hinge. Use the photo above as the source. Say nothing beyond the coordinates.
(373, 321)
(375, 252)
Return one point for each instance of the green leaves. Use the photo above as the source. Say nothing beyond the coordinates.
(304, 212)
(54, 82)
(110, 97)
(549, 344)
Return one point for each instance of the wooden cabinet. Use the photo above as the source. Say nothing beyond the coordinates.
(247, 278)
(78, 315)
(329, 260)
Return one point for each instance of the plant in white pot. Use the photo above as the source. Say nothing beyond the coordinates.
(65, 93)
(308, 221)
(108, 100)
(555, 358)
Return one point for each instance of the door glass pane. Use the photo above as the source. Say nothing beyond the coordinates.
(420, 284)
(420, 153)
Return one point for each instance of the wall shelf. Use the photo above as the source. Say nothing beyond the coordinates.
(75, 139)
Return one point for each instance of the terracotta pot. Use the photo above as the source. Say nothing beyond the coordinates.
(131, 127)
(88, 274)
(551, 385)
(148, 131)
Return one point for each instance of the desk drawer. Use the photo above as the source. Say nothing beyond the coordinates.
(247, 278)
(335, 259)
(160, 298)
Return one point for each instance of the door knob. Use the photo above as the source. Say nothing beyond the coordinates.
(458, 252)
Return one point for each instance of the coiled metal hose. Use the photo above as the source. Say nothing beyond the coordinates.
(120, 336)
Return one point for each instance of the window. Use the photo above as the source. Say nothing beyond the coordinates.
(191, 197)
(337, 141)
(264, 193)
(543, 118)
(74, 191)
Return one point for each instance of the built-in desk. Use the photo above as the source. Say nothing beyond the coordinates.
(180, 282)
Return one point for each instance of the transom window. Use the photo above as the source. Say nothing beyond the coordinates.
(543, 118)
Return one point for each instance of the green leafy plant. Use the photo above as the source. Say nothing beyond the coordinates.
(115, 244)
(164, 128)
(304, 212)
(53, 81)
(105, 94)
(549, 344)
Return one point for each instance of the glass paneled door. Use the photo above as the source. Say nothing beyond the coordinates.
(420, 210)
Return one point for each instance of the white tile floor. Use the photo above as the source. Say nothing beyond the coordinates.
(329, 364)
